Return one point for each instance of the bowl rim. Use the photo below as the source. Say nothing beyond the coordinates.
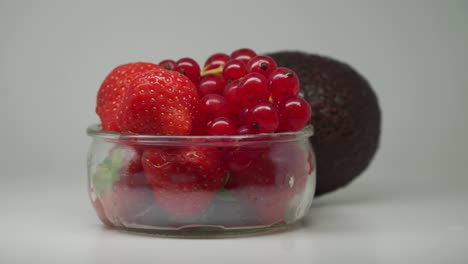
(95, 131)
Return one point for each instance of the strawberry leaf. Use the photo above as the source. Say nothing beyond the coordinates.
(225, 195)
(108, 172)
(103, 179)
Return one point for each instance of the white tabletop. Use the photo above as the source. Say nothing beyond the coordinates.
(354, 225)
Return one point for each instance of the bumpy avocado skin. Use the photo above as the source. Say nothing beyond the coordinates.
(346, 116)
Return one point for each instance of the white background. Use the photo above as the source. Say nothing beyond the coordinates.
(409, 206)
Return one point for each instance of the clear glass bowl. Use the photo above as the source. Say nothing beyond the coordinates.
(201, 185)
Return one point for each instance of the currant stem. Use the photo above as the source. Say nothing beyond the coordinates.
(218, 70)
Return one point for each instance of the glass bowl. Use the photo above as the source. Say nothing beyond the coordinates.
(201, 185)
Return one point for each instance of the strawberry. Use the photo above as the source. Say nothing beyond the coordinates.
(123, 192)
(265, 179)
(185, 180)
(114, 86)
(131, 173)
(159, 102)
(125, 204)
(101, 213)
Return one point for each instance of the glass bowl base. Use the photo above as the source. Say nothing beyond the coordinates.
(210, 231)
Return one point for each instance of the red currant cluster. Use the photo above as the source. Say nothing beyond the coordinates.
(244, 93)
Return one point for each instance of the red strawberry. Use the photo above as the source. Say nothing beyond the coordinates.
(132, 170)
(125, 204)
(184, 181)
(266, 179)
(159, 102)
(101, 213)
(113, 89)
(123, 192)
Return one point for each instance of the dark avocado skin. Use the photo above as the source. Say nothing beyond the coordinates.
(346, 116)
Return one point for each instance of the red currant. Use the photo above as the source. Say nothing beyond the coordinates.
(244, 130)
(211, 84)
(216, 60)
(264, 118)
(233, 70)
(283, 83)
(189, 68)
(253, 89)
(222, 126)
(212, 106)
(243, 54)
(244, 116)
(167, 64)
(295, 113)
(231, 94)
(261, 64)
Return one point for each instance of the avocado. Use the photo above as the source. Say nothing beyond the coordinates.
(345, 115)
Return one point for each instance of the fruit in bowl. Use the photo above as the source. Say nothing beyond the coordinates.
(183, 149)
